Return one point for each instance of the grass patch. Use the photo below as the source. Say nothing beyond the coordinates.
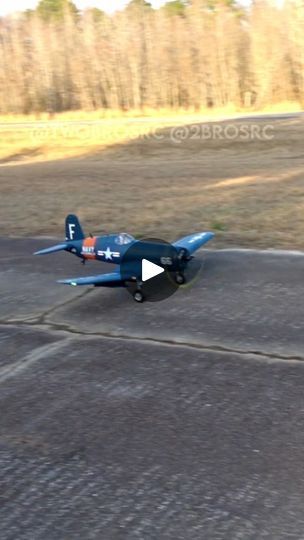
(217, 226)
(76, 133)
(250, 193)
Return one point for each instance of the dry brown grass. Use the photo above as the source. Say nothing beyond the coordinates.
(35, 138)
(250, 192)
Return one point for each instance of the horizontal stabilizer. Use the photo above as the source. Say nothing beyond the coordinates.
(53, 249)
(102, 280)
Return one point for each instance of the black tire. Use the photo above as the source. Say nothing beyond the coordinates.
(180, 279)
(138, 297)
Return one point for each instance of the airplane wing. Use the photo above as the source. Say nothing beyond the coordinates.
(194, 241)
(102, 280)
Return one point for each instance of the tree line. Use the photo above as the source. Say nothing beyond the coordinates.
(198, 53)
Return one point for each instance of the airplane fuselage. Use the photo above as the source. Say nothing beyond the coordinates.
(101, 248)
(112, 248)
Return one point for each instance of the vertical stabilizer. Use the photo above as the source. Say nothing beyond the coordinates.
(73, 229)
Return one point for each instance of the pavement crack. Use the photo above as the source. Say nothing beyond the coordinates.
(220, 349)
(42, 317)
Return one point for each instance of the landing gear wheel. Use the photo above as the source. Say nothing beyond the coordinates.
(138, 297)
(180, 279)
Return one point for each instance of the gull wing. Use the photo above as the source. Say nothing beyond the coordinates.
(101, 280)
(194, 241)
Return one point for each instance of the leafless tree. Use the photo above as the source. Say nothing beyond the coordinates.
(204, 54)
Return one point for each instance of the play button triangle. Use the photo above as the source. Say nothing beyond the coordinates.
(149, 270)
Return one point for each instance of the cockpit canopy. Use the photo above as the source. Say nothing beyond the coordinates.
(124, 238)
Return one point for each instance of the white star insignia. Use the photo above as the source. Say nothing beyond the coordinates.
(108, 254)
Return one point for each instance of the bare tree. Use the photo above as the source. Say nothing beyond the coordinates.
(195, 53)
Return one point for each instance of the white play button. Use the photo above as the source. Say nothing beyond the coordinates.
(149, 270)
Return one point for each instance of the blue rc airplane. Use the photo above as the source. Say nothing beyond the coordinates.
(132, 257)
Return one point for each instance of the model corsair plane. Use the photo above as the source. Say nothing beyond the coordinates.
(132, 257)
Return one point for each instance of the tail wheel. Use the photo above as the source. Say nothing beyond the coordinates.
(138, 297)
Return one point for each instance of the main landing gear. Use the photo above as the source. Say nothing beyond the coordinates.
(180, 279)
(138, 296)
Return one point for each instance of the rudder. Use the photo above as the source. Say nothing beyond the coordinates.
(73, 229)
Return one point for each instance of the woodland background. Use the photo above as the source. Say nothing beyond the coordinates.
(199, 54)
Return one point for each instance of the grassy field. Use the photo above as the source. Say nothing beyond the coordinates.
(38, 137)
(163, 176)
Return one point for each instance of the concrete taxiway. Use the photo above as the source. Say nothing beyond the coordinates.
(182, 419)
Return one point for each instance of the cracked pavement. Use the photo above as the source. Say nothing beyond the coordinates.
(178, 420)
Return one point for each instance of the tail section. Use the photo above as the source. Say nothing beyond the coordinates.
(73, 229)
